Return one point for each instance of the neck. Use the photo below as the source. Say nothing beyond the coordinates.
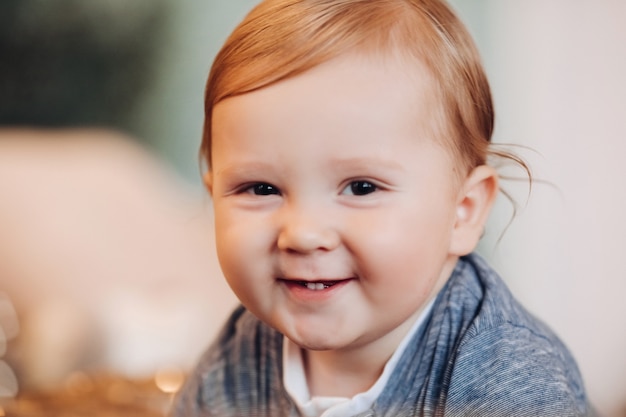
(347, 372)
(331, 376)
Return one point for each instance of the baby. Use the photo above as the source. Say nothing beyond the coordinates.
(346, 143)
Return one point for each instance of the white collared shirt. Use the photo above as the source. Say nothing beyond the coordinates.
(294, 380)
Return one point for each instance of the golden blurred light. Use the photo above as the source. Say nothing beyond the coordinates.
(120, 393)
(169, 380)
(79, 383)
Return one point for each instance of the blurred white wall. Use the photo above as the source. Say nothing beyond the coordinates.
(558, 74)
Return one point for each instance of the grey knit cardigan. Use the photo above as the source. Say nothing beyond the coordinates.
(480, 353)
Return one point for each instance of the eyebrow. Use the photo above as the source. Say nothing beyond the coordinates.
(347, 164)
(366, 162)
(246, 168)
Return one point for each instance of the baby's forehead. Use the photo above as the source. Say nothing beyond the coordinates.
(363, 102)
(348, 82)
(421, 39)
(357, 87)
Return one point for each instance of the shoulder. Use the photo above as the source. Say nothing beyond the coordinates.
(229, 370)
(508, 361)
(243, 340)
(511, 369)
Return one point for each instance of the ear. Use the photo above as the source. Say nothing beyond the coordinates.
(207, 178)
(476, 197)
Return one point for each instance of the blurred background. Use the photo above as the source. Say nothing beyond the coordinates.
(109, 286)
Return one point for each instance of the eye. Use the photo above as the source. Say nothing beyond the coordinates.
(262, 188)
(360, 188)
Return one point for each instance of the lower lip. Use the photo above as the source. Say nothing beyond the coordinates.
(302, 293)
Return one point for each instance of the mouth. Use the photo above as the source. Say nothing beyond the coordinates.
(320, 285)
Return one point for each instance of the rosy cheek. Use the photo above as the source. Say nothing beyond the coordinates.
(242, 240)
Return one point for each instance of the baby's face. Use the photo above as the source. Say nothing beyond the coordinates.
(334, 206)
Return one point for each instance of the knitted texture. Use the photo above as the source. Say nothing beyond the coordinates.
(480, 353)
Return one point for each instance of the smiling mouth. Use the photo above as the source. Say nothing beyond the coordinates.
(314, 285)
(318, 286)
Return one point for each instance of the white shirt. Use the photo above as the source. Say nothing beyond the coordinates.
(294, 380)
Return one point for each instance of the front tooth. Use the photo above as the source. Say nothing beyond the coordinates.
(315, 286)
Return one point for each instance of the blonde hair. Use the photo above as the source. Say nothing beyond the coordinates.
(280, 39)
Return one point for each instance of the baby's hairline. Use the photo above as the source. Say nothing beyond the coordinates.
(439, 131)
(260, 53)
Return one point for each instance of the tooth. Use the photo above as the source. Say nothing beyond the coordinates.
(315, 286)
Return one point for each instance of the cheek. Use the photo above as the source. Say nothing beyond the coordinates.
(240, 266)
(240, 244)
(405, 247)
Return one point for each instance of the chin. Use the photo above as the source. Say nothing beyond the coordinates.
(316, 342)
(316, 346)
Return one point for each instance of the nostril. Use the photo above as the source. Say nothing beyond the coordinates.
(305, 227)
(301, 239)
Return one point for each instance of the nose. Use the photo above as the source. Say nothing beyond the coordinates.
(305, 231)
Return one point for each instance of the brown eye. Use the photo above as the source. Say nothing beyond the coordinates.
(263, 189)
(362, 187)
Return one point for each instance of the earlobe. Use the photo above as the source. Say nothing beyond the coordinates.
(208, 181)
(476, 198)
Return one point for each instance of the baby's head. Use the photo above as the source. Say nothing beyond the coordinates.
(280, 39)
(346, 142)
